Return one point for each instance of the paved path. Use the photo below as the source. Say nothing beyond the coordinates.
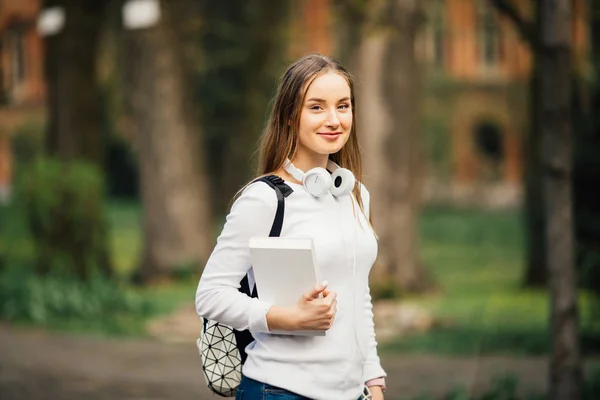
(39, 365)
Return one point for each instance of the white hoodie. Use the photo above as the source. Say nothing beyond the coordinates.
(328, 367)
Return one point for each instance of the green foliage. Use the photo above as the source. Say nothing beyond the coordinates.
(65, 213)
(437, 142)
(27, 143)
(477, 259)
(506, 387)
(58, 299)
(97, 304)
(15, 241)
(384, 291)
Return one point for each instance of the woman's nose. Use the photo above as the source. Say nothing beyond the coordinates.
(332, 119)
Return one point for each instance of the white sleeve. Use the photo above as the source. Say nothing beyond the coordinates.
(372, 366)
(217, 296)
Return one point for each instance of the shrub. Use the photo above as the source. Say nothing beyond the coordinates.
(25, 296)
(64, 204)
(27, 143)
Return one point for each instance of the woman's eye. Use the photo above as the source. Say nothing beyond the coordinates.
(344, 106)
(315, 108)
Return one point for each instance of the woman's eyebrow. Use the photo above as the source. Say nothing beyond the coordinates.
(318, 100)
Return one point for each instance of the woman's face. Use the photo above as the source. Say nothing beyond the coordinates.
(326, 116)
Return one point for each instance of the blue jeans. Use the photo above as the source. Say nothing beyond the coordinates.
(250, 389)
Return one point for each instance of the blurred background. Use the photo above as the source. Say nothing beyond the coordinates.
(127, 126)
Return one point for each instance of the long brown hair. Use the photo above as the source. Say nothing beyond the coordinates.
(280, 137)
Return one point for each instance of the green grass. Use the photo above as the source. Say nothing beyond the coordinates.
(477, 259)
(125, 221)
(125, 239)
(51, 305)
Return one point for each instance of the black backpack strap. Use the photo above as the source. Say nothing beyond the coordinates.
(282, 191)
(244, 338)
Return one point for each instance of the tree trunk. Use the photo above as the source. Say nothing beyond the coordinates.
(75, 121)
(75, 108)
(536, 272)
(594, 12)
(536, 264)
(239, 87)
(556, 128)
(177, 226)
(388, 98)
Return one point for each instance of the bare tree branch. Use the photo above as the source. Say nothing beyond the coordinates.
(525, 27)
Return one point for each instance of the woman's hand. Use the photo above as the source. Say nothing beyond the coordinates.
(376, 392)
(312, 312)
(316, 313)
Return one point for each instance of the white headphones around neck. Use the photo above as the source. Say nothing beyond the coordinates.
(318, 181)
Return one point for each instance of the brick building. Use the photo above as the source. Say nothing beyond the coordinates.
(476, 101)
(475, 111)
(21, 77)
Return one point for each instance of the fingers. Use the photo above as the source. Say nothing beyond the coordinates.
(330, 315)
(314, 292)
(330, 298)
(320, 305)
(330, 302)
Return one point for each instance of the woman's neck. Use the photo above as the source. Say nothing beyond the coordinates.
(305, 162)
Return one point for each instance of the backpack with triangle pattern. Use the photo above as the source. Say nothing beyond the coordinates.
(222, 348)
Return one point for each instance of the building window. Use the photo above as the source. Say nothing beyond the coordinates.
(13, 48)
(436, 32)
(3, 93)
(488, 35)
(489, 147)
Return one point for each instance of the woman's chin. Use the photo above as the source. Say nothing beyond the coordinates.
(329, 150)
(331, 147)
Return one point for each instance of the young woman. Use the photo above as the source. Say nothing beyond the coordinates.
(311, 132)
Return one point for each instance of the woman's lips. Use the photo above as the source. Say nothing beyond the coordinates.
(330, 136)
